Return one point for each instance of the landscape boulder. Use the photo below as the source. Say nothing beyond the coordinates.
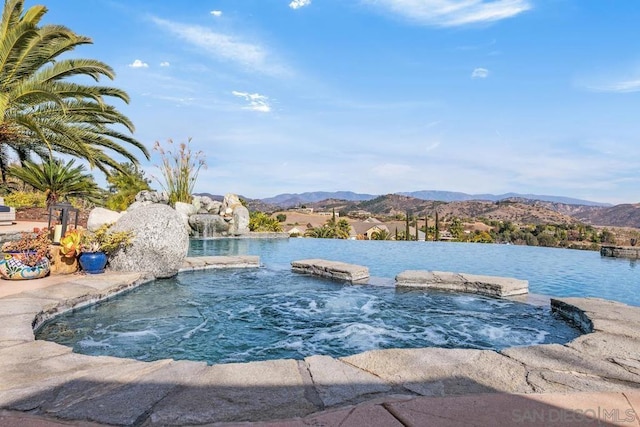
(136, 205)
(207, 225)
(152, 196)
(185, 210)
(230, 202)
(205, 204)
(100, 216)
(160, 243)
(239, 224)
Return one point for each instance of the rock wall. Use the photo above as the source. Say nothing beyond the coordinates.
(227, 218)
(632, 252)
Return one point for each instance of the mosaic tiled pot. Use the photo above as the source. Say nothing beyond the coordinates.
(12, 267)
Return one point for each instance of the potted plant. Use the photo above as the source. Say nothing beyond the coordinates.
(95, 246)
(71, 243)
(26, 258)
(64, 256)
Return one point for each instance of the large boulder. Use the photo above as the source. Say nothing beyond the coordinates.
(230, 202)
(207, 225)
(185, 210)
(205, 204)
(136, 205)
(160, 243)
(239, 225)
(152, 196)
(100, 216)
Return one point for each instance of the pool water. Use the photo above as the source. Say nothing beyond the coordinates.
(550, 271)
(267, 313)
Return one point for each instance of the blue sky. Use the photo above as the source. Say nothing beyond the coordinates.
(381, 96)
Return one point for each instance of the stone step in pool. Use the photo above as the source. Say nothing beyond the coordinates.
(331, 269)
(461, 282)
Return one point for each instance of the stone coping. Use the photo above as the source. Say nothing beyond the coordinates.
(462, 282)
(331, 269)
(45, 379)
(218, 262)
(615, 251)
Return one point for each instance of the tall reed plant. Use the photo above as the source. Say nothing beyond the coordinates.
(179, 169)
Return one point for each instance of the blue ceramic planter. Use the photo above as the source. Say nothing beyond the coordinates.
(93, 262)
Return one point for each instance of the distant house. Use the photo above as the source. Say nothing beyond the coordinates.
(372, 220)
(296, 230)
(401, 226)
(445, 235)
(364, 229)
(302, 210)
(360, 214)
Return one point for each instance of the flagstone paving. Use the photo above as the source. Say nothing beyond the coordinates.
(594, 377)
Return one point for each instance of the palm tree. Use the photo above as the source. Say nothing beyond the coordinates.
(57, 180)
(340, 229)
(123, 187)
(381, 234)
(344, 229)
(322, 232)
(41, 109)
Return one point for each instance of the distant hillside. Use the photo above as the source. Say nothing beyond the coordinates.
(295, 199)
(627, 215)
(396, 204)
(449, 196)
(506, 207)
(288, 200)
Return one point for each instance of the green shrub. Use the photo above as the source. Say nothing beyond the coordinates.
(26, 199)
(261, 222)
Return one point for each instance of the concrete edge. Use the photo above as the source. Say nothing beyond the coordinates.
(572, 313)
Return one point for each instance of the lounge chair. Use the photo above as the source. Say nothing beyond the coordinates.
(7, 214)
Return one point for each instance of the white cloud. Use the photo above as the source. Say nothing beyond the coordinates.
(297, 4)
(138, 64)
(480, 73)
(216, 13)
(225, 47)
(165, 64)
(256, 101)
(625, 86)
(433, 146)
(451, 13)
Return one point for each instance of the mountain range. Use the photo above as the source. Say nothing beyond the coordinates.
(522, 208)
(288, 200)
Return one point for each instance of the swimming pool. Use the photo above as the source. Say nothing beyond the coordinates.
(268, 313)
(550, 271)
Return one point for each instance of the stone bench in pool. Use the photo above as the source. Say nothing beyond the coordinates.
(462, 282)
(331, 269)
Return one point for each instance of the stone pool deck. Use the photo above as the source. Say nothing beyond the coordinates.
(595, 377)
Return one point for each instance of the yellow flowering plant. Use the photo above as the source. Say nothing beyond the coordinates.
(104, 240)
